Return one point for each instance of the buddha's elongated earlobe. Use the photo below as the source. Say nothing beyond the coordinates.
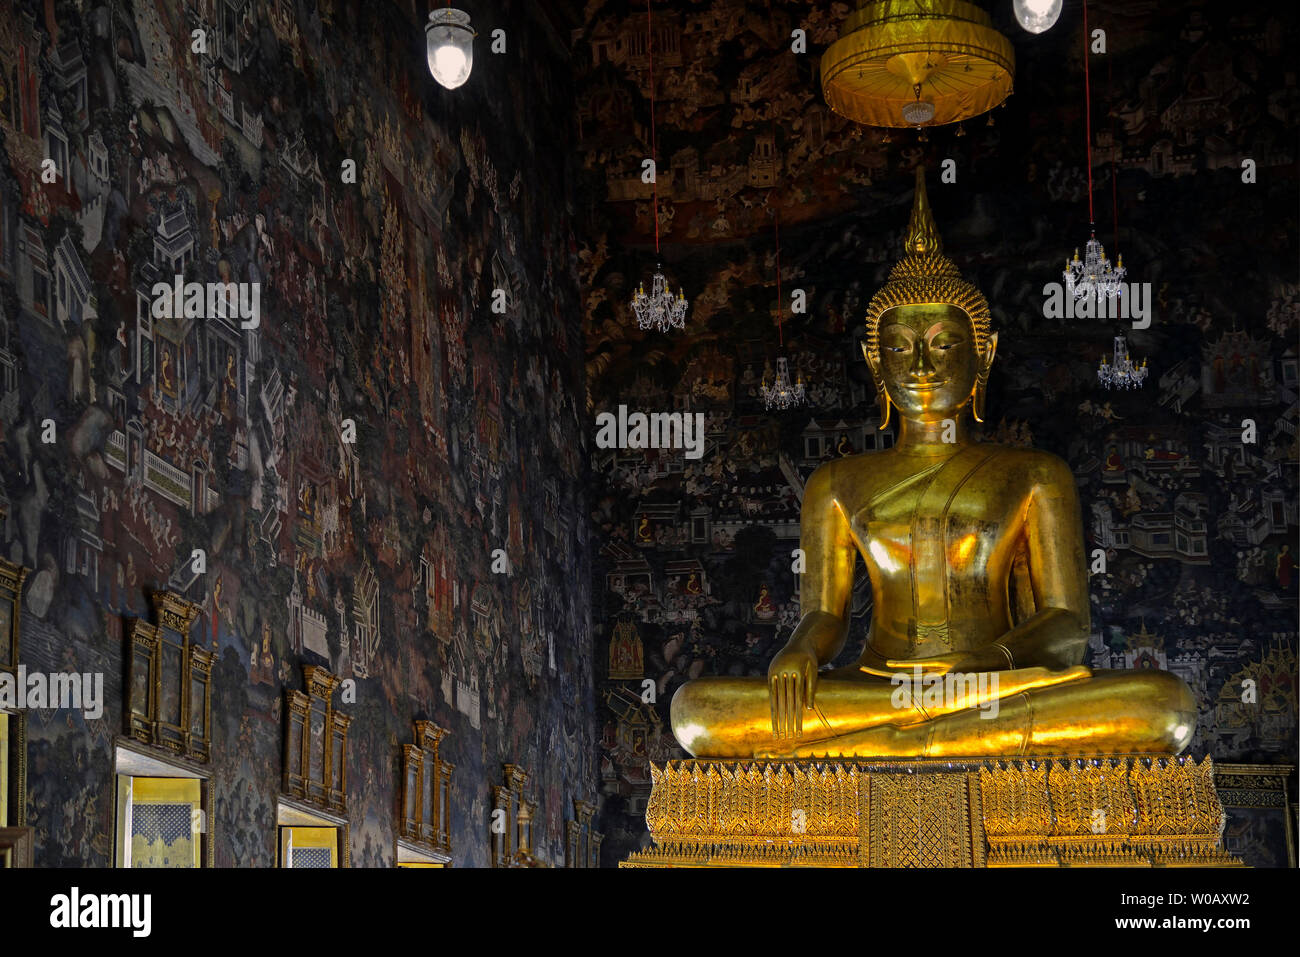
(982, 377)
(882, 396)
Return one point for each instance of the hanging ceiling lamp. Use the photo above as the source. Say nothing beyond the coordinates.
(901, 63)
(1094, 275)
(1122, 373)
(782, 394)
(450, 46)
(1037, 16)
(660, 309)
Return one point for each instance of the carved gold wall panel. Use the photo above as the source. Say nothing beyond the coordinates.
(426, 790)
(582, 845)
(512, 828)
(13, 733)
(169, 692)
(316, 743)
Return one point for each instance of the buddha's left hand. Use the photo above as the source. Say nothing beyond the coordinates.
(981, 659)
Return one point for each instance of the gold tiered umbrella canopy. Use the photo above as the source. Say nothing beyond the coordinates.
(897, 59)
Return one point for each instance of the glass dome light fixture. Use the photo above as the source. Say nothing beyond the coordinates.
(1037, 16)
(450, 50)
(918, 112)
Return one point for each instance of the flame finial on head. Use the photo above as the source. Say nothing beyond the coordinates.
(922, 234)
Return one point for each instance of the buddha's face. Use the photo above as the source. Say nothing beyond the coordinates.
(928, 359)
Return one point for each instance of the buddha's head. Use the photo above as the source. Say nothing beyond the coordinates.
(928, 343)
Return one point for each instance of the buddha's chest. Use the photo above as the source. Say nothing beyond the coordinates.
(959, 538)
(939, 546)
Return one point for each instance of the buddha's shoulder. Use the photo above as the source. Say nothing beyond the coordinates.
(1033, 465)
(1036, 464)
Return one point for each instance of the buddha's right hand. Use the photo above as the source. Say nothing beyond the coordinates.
(791, 683)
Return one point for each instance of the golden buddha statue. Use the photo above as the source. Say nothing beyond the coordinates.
(976, 558)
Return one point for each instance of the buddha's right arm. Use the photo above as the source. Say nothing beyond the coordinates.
(822, 634)
(826, 585)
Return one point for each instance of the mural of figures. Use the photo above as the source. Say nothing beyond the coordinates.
(295, 405)
(292, 331)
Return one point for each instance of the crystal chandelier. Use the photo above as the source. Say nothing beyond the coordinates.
(660, 309)
(782, 394)
(1122, 374)
(1094, 275)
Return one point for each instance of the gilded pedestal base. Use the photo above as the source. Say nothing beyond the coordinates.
(1124, 811)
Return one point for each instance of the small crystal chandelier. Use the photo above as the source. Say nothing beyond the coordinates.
(782, 394)
(1093, 275)
(1122, 374)
(449, 41)
(660, 310)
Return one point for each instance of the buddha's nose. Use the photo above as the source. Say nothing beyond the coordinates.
(921, 365)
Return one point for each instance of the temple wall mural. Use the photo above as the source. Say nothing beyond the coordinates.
(315, 381)
(353, 461)
(693, 571)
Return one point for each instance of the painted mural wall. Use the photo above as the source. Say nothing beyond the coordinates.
(1195, 513)
(304, 152)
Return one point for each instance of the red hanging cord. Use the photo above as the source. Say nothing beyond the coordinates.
(779, 301)
(1114, 184)
(1087, 108)
(654, 150)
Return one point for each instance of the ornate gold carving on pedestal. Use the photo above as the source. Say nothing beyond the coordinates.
(919, 821)
(1127, 811)
(1105, 811)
